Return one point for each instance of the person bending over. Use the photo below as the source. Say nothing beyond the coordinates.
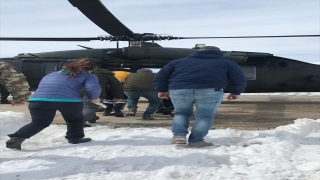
(60, 91)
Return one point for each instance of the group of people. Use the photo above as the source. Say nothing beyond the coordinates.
(120, 88)
(197, 80)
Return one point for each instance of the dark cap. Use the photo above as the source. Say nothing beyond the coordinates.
(209, 48)
(144, 70)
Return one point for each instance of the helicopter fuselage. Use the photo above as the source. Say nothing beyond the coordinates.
(265, 72)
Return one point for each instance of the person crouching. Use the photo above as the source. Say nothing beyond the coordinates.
(59, 91)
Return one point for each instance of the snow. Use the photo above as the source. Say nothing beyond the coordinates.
(283, 94)
(287, 152)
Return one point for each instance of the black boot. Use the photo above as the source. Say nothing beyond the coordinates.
(87, 125)
(77, 141)
(118, 113)
(94, 120)
(107, 112)
(160, 110)
(168, 110)
(5, 102)
(15, 143)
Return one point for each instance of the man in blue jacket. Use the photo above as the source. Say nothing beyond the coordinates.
(198, 79)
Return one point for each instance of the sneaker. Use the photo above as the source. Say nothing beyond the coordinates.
(199, 144)
(147, 118)
(15, 143)
(77, 141)
(131, 113)
(179, 140)
(100, 109)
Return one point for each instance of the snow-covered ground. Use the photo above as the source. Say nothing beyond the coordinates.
(290, 152)
(283, 94)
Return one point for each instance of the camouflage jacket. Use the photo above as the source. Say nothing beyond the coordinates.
(15, 82)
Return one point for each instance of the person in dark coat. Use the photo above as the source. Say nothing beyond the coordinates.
(60, 91)
(198, 80)
(115, 108)
(108, 82)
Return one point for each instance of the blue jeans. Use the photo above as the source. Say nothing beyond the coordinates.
(206, 101)
(151, 96)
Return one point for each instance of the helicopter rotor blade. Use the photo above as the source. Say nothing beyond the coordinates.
(47, 39)
(102, 17)
(235, 37)
(143, 38)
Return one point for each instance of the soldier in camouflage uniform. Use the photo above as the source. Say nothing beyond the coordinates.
(15, 82)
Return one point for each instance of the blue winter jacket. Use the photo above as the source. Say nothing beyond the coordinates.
(55, 87)
(200, 70)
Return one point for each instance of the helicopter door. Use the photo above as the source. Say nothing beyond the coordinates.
(281, 75)
(32, 70)
(249, 72)
(49, 67)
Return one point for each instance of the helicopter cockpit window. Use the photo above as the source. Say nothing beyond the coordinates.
(50, 67)
(249, 72)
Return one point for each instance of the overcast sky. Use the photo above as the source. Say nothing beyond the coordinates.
(58, 18)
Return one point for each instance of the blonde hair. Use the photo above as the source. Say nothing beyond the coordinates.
(83, 64)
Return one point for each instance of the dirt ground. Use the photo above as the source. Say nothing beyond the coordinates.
(254, 112)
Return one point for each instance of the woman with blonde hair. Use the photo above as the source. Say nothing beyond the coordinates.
(60, 91)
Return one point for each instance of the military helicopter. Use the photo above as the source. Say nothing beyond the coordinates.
(264, 71)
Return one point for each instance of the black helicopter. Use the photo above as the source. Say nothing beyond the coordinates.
(265, 72)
